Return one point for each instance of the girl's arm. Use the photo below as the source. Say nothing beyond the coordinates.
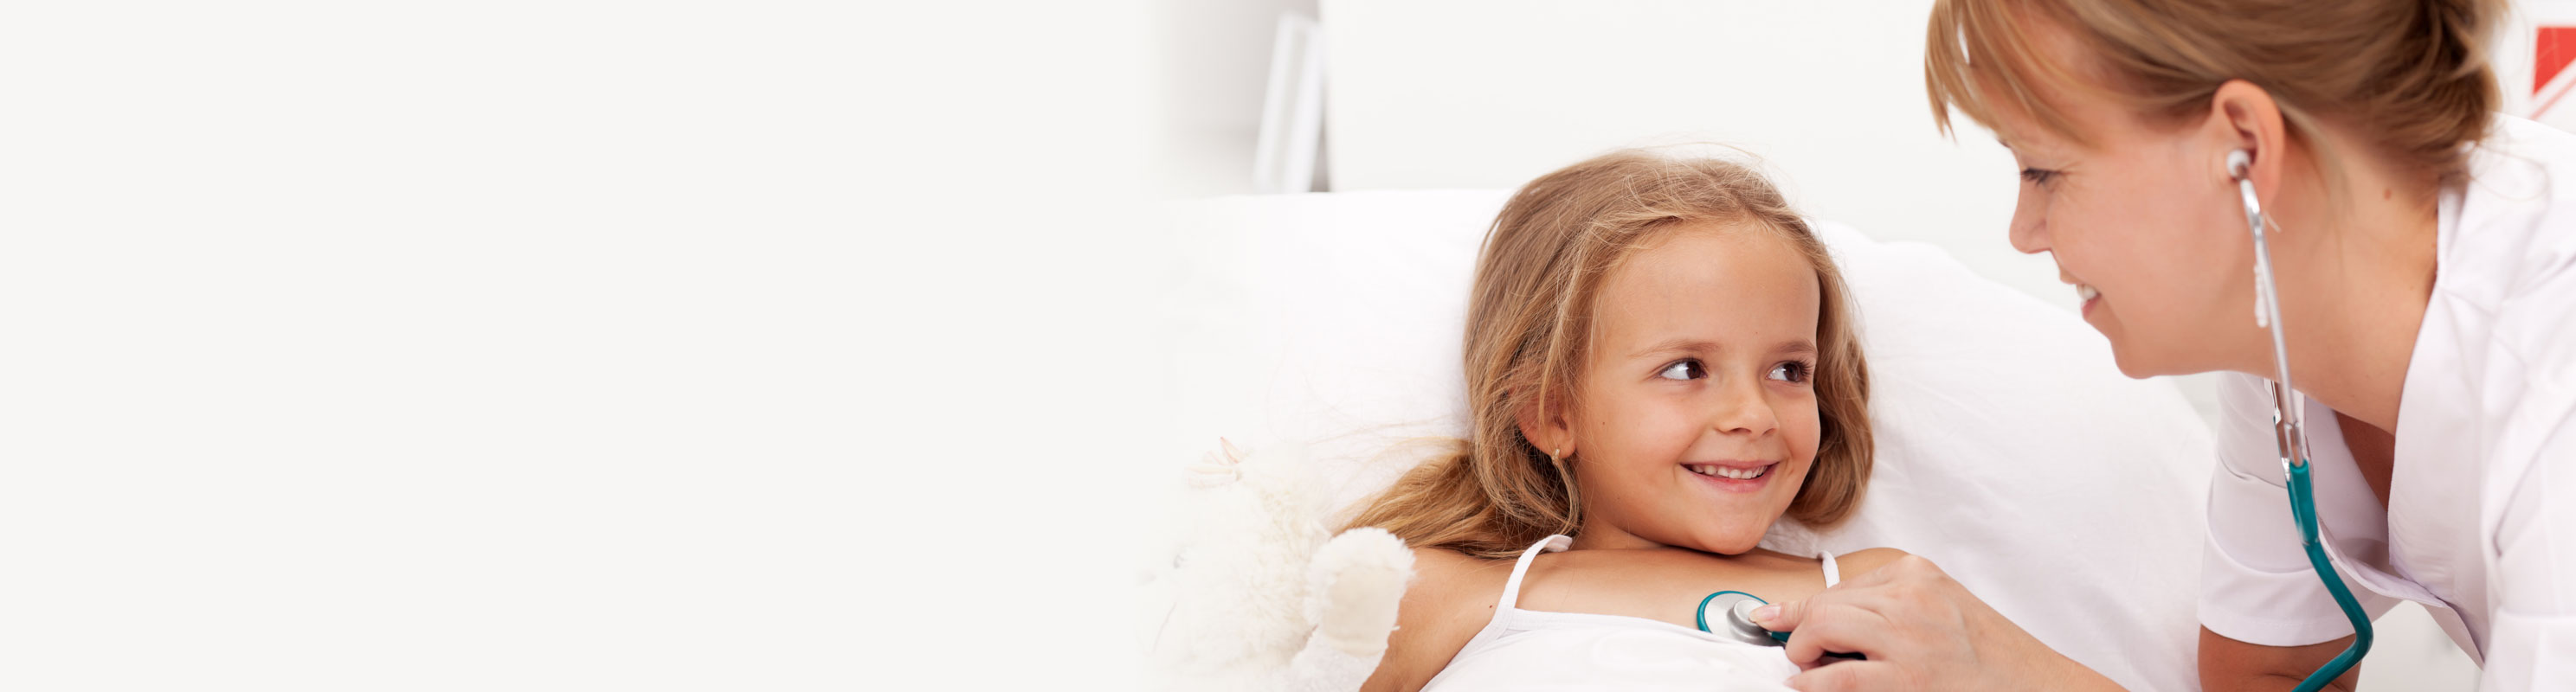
(1451, 598)
(2227, 665)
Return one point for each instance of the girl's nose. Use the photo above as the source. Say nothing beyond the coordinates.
(1744, 410)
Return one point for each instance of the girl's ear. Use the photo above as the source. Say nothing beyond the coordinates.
(1543, 424)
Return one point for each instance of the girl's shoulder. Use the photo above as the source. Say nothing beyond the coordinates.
(1452, 596)
(1867, 560)
(1449, 582)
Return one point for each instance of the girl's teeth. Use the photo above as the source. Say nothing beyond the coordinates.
(1726, 472)
(2086, 292)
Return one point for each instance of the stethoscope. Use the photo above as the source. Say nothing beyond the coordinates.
(2289, 433)
(1730, 614)
(1733, 610)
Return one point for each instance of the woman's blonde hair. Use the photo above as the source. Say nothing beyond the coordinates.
(2411, 74)
(1494, 494)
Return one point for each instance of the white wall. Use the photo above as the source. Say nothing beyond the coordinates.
(571, 344)
(1488, 94)
(1215, 65)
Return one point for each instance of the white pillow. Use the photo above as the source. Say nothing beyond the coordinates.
(2010, 450)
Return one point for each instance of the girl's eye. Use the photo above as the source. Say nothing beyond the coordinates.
(1792, 371)
(2038, 176)
(1683, 370)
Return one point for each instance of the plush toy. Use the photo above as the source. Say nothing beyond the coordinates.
(1259, 594)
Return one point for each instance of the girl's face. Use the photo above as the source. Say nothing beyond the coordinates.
(1694, 420)
(2142, 219)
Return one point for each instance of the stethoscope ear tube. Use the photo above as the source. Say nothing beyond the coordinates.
(2290, 433)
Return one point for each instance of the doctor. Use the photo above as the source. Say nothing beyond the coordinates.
(2424, 252)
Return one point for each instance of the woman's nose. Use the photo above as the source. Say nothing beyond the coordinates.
(2029, 229)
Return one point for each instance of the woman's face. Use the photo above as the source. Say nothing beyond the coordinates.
(2143, 220)
(1694, 420)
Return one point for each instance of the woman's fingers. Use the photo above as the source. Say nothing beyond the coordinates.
(1868, 614)
(1851, 617)
(1785, 616)
(1843, 623)
(1920, 630)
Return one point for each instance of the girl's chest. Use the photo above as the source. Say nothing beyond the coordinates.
(1667, 589)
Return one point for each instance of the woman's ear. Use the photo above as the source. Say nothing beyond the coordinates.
(2244, 116)
(1543, 424)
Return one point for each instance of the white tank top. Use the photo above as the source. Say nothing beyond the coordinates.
(1541, 650)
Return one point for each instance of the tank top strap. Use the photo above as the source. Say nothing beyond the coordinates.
(1512, 588)
(1833, 574)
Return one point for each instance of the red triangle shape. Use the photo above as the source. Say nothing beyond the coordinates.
(2553, 49)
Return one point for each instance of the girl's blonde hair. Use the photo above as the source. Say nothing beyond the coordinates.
(2412, 74)
(1494, 494)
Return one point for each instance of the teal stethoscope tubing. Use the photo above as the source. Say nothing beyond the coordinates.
(2303, 508)
(2290, 435)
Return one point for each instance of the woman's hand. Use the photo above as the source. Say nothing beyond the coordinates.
(1921, 631)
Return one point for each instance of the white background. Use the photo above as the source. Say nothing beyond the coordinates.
(565, 345)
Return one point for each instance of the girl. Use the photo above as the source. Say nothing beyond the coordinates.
(1660, 364)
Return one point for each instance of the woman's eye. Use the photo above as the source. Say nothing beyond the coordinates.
(1791, 371)
(2038, 176)
(1683, 370)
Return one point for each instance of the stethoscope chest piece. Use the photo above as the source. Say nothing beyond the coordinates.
(1730, 614)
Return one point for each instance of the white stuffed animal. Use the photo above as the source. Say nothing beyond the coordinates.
(1260, 595)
